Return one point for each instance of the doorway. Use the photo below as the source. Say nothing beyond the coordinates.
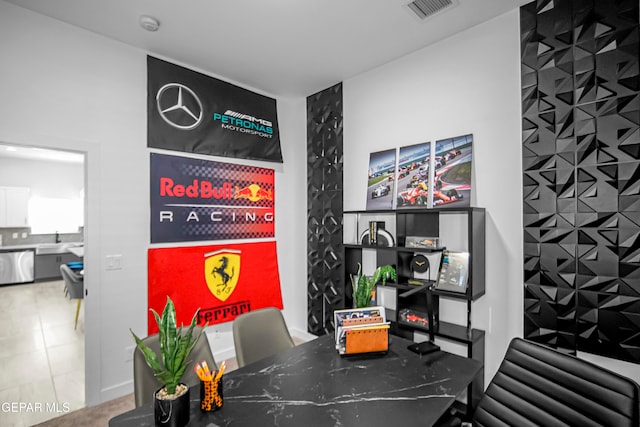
(43, 351)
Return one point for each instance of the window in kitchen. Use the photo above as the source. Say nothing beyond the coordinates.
(50, 215)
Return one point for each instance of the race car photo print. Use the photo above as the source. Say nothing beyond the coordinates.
(450, 179)
(380, 181)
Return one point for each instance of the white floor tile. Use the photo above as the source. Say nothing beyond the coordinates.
(58, 315)
(24, 368)
(41, 355)
(18, 323)
(20, 344)
(39, 391)
(62, 334)
(13, 419)
(68, 358)
(70, 390)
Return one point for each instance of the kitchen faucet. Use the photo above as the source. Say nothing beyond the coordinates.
(57, 237)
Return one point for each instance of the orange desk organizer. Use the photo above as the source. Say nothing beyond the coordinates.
(366, 339)
(358, 321)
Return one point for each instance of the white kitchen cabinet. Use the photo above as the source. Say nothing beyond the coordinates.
(14, 206)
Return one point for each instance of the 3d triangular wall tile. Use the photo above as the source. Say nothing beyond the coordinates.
(325, 265)
(581, 174)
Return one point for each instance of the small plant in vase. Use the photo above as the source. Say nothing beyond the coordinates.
(168, 367)
(363, 285)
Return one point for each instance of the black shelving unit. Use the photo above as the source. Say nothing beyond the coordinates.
(468, 235)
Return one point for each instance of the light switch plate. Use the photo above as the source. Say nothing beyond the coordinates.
(114, 262)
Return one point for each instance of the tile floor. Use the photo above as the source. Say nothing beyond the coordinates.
(41, 355)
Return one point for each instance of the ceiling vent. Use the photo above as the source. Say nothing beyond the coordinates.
(424, 9)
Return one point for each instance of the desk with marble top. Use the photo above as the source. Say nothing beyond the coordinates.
(312, 385)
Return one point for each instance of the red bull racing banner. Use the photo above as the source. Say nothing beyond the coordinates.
(194, 113)
(196, 199)
(223, 281)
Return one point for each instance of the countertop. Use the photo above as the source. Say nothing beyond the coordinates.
(64, 247)
(18, 247)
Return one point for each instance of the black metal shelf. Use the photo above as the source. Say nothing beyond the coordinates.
(395, 248)
(426, 222)
(464, 234)
(450, 331)
(421, 210)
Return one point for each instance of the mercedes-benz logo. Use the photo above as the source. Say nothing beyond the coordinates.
(179, 106)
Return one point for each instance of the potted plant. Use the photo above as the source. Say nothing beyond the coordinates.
(363, 285)
(171, 402)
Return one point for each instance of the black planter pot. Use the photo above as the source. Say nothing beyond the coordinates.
(172, 412)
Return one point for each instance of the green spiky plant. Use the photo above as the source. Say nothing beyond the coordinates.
(175, 347)
(363, 285)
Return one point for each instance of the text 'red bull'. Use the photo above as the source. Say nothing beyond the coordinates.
(197, 189)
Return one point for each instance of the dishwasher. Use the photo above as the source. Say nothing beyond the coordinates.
(16, 266)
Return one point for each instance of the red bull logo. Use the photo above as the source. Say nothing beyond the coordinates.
(253, 193)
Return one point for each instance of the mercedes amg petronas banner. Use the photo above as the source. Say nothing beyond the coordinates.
(190, 112)
(222, 281)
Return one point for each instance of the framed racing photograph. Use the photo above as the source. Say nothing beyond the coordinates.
(413, 176)
(452, 172)
(454, 272)
(381, 180)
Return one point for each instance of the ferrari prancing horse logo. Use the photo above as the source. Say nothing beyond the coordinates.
(221, 271)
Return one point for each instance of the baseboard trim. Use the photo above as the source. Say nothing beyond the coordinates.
(114, 392)
(303, 335)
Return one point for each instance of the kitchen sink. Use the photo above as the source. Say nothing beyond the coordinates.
(56, 248)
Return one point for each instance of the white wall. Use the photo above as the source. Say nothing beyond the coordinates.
(469, 83)
(66, 88)
(466, 84)
(44, 178)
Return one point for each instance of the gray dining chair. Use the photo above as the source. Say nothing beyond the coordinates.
(145, 384)
(74, 287)
(260, 333)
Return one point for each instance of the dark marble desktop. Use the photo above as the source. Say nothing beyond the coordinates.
(311, 385)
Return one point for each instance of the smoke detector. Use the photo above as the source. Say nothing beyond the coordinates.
(425, 9)
(149, 23)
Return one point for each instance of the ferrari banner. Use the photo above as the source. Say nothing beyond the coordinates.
(222, 281)
(191, 112)
(195, 199)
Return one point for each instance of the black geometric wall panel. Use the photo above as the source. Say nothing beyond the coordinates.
(581, 174)
(325, 275)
